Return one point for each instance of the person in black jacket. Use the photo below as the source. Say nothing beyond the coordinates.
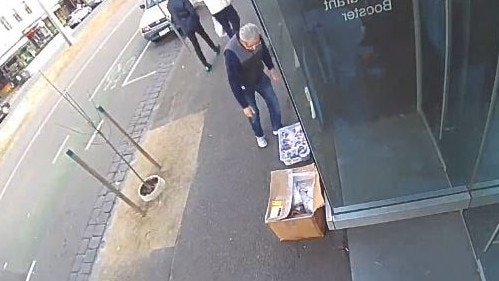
(184, 16)
(245, 56)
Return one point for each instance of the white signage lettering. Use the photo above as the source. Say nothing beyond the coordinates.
(358, 12)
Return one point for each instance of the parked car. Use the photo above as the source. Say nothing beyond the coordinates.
(93, 3)
(4, 110)
(156, 20)
(77, 16)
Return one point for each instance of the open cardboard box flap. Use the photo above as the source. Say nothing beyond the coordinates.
(318, 197)
(280, 198)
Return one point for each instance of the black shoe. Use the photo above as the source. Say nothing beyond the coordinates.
(217, 50)
(208, 67)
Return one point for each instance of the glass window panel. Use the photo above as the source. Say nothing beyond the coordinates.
(475, 48)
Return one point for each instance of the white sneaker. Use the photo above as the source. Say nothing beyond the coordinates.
(275, 133)
(261, 141)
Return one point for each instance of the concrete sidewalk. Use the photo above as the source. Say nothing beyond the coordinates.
(220, 235)
(209, 224)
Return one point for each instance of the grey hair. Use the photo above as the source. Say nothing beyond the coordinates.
(249, 32)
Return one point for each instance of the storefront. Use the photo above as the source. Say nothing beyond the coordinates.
(6, 85)
(13, 64)
(64, 9)
(35, 38)
(399, 103)
(41, 32)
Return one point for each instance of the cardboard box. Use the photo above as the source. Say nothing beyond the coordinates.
(279, 209)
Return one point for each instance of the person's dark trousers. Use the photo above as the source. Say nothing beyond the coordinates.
(264, 88)
(192, 36)
(229, 19)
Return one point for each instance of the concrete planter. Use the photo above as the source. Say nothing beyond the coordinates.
(155, 185)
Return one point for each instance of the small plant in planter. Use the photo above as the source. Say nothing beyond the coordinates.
(151, 188)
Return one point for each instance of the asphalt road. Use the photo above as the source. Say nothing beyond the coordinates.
(45, 198)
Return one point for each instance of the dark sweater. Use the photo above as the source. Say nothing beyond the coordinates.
(236, 72)
(184, 15)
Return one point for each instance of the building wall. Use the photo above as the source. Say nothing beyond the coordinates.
(11, 29)
(399, 101)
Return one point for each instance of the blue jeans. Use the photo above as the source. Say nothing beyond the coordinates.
(264, 88)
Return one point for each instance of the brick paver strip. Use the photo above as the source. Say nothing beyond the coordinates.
(100, 217)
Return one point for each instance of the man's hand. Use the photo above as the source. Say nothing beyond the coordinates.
(248, 111)
(273, 74)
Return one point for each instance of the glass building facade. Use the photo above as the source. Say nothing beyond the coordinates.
(399, 103)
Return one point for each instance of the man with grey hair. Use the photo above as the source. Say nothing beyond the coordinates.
(245, 56)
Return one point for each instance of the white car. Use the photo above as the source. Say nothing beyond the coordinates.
(156, 20)
(77, 16)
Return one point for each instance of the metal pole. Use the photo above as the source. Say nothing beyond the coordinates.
(57, 24)
(102, 180)
(147, 155)
(173, 27)
(117, 152)
(447, 62)
(91, 123)
(419, 54)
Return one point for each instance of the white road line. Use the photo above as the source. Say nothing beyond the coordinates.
(135, 65)
(139, 78)
(59, 100)
(129, 64)
(112, 65)
(63, 144)
(92, 138)
(104, 42)
(31, 269)
(30, 144)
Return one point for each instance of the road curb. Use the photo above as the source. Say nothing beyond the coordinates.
(94, 236)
